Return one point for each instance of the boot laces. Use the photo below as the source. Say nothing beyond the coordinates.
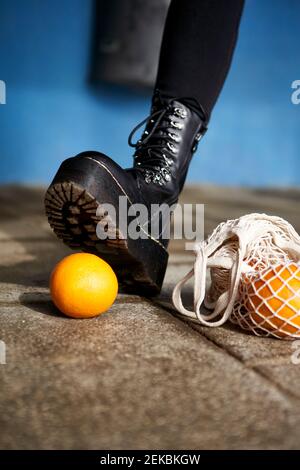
(156, 149)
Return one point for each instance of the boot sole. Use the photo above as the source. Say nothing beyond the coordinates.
(74, 211)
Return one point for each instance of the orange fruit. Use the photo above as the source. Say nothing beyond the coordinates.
(273, 300)
(83, 285)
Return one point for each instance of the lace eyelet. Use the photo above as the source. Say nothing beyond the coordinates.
(174, 137)
(169, 161)
(196, 141)
(176, 124)
(172, 148)
(148, 176)
(180, 112)
(165, 172)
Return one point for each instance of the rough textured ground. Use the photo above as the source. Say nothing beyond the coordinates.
(137, 376)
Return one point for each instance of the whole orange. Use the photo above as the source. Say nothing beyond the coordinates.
(83, 285)
(273, 300)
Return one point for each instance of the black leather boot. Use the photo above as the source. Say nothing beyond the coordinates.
(84, 184)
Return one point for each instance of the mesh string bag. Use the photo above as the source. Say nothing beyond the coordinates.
(254, 267)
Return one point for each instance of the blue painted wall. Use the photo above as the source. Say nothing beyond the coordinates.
(52, 113)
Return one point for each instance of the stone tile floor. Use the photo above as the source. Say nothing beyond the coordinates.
(138, 376)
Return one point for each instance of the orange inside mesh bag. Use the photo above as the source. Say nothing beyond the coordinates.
(254, 267)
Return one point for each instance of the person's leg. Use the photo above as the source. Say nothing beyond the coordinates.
(196, 52)
(197, 47)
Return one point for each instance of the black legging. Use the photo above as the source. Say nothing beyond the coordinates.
(197, 47)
